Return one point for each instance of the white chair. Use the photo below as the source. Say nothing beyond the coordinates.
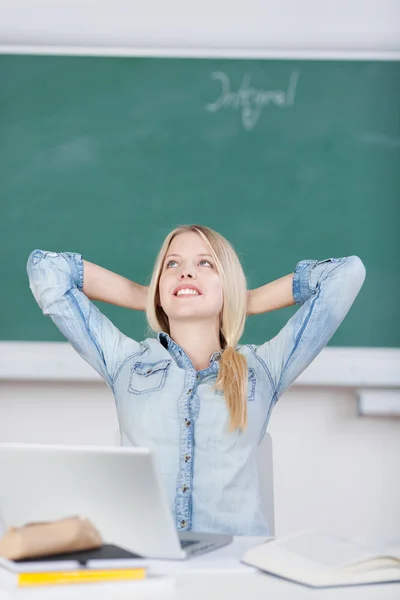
(266, 479)
(265, 474)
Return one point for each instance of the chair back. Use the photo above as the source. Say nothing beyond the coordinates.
(266, 478)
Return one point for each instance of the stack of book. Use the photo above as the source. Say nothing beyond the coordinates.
(106, 564)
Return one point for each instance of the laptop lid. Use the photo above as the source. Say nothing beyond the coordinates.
(119, 489)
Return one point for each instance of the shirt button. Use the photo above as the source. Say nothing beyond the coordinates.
(187, 457)
(187, 422)
(184, 488)
(183, 523)
(189, 391)
(197, 377)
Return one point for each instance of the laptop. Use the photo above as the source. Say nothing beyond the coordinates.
(118, 488)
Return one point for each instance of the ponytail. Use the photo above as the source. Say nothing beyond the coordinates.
(232, 380)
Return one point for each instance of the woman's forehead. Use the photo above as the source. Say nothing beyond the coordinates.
(187, 243)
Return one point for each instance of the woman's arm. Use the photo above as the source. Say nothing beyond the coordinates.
(106, 286)
(272, 296)
(57, 281)
(325, 290)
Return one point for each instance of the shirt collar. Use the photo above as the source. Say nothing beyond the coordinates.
(177, 352)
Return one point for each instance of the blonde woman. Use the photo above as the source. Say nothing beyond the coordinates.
(192, 395)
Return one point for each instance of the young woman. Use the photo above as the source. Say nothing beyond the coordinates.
(192, 395)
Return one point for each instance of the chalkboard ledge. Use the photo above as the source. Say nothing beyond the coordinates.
(334, 367)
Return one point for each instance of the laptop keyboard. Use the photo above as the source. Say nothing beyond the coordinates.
(186, 543)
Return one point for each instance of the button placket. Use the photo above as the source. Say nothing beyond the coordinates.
(183, 500)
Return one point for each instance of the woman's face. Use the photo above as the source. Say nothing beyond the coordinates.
(189, 286)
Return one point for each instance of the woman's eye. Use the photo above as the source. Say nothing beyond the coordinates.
(171, 263)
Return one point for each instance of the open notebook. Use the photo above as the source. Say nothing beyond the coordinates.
(319, 560)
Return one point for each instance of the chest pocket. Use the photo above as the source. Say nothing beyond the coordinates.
(251, 386)
(148, 377)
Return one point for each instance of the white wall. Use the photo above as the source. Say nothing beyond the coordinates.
(334, 469)
(287, 25)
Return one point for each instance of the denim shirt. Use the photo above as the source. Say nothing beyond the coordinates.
(163, 403)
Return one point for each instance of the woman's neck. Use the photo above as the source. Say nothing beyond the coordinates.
(198, 339)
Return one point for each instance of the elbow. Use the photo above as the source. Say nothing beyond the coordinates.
(357, 270)
(33, 259)
(38, 277)
(347, 282)
(37, 256)
(352, 278)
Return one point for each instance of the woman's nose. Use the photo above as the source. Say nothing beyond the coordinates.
(187, 274)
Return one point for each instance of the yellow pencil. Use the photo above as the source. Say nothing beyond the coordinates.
(81, 576)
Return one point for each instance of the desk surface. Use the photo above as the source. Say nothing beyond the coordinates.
(217, 575)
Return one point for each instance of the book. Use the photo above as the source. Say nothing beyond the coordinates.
(319, 560)
(84, 575)
(153, 583)
(108, 563)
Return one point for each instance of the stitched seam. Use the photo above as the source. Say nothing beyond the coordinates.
(154, 366)
(147, 390)
(129, 357)
(265, 424)
(263, 364)
(297, 342)
(99, 350)
(252, 379)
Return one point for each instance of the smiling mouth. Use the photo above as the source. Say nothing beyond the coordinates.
(187, 294)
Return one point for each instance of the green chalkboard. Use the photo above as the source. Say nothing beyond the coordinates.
(288, 159)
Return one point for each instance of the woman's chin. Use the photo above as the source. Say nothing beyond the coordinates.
(188, 314)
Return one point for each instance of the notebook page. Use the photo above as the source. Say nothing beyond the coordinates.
(325, 551)
(321, 560)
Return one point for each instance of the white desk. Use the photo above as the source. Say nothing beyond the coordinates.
(214, 576)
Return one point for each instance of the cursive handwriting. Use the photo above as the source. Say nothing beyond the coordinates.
(250, 100)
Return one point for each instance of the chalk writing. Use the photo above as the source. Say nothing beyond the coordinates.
(250, 100)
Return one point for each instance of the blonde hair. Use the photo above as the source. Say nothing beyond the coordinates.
(232, 376)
